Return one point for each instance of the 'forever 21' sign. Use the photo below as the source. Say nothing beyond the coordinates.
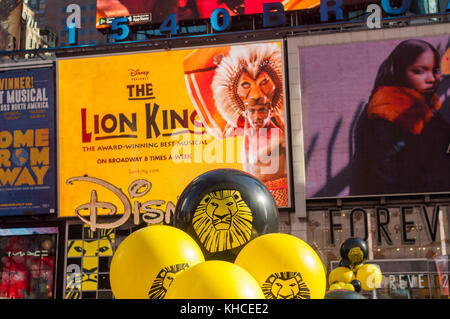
(429, 214)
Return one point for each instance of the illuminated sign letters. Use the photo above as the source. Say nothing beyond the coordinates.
(273, 14)
(325, 8)
(373, 20)
(220, 19)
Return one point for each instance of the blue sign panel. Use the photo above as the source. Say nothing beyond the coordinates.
(27, 147)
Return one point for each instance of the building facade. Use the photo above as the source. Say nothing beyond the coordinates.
(56, 240)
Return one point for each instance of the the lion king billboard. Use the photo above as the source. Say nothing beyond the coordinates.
(135, 129)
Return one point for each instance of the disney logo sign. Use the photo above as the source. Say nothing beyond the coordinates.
(137, 72)
(138, 188)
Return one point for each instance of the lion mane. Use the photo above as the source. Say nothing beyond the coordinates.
(222, 221)
(162, 282)
(254, 59)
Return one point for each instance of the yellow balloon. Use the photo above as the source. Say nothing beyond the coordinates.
(342, 274)
(356, 267)
(146, 262)
(337, 285)
(348, 286)
(370, 276)
(214, 279)
(284, 266)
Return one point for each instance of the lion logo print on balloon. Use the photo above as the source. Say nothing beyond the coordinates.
(164, 279)
(356, 255)
(285, 285)
(222, 221)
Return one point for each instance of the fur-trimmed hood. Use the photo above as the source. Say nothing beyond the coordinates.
(403, 106)
(253, 58)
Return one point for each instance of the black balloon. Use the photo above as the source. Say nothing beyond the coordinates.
(343, 294)
(223, 210)
(353, 251)
(356, 284)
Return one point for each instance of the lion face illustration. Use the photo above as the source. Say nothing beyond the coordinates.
(85, 278)
(285, 285)
(221, 212)
(164, 279)
(261, 66)
(222, 221)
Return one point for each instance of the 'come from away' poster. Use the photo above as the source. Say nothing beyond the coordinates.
(27, 156)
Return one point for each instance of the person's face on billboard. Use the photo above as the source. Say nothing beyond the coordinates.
(258, 115)
(423, 75)
(257, 91)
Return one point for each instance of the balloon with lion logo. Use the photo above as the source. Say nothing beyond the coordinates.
(284, 266)
(354, 252)
(214, 279)
(223, 210)
(147, 261)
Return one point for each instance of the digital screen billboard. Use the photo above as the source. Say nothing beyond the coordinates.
(140, 127)
(154, 11)
(27, 136)
(376, 117)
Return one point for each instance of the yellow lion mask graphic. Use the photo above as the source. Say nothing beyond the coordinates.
(222, 221)
(285, 285)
